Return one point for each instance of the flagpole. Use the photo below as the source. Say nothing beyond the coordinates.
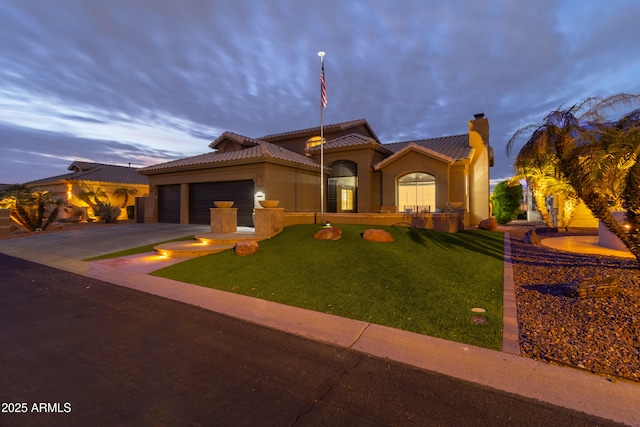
(322, 105)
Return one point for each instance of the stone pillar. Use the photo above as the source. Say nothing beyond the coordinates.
(5, 222)
(224, 220)
(268, 221)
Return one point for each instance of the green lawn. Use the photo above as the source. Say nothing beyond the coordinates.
(426, 282)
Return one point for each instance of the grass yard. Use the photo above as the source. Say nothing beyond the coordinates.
(426, 282)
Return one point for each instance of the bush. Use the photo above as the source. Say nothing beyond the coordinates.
(506, 201)
(106, 212)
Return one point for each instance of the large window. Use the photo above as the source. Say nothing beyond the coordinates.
(342, 188)
(417, 192)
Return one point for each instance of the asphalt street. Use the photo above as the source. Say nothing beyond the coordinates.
(78, 351)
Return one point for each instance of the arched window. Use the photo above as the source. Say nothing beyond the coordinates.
(314, 141)
(417, 192)
(342, 188)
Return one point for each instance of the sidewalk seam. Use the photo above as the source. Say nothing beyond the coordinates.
(359, 335)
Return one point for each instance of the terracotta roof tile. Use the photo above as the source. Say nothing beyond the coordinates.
(327, 128)
(351, 140)
(455, 146)
(98, 172)
(262, 149)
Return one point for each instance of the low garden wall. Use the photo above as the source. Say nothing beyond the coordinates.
(449, 222)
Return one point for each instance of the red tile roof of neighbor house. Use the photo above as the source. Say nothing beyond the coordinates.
(261, 150)
(97, 172)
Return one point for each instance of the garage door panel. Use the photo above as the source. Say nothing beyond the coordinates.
(202, 195)
(169, 203)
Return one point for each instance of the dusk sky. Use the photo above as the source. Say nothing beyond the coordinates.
(146, 81)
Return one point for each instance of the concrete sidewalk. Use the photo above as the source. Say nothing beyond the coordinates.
(613, 399)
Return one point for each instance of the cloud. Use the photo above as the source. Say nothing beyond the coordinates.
(169, 77)
(28, 154)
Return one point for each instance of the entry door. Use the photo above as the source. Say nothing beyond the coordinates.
(341, 194)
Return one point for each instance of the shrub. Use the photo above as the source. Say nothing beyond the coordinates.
(506, 201)
(106, 212)
(30, 207)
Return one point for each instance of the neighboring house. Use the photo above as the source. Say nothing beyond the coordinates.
(581, 218)
(361, 174)
(86, 176)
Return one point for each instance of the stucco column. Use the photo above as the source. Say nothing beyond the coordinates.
(224, 220)
(268, 221)
(184, 203)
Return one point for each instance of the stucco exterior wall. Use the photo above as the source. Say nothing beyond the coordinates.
(69, 190)
(414, 162)
(458, 184)
(479, 179)
(297, 189)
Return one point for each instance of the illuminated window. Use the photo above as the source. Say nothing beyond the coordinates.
(347, 199)
(314, 141)
(417, 192)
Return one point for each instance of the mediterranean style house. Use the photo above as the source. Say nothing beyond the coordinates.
(120, 185)
(360, 174)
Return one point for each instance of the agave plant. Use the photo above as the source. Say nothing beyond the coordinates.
(30, 207)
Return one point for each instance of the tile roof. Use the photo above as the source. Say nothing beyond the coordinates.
(98, 172)
(351, 140)
(314, 130)
(262, 150)
(455, 146)
(241, 139)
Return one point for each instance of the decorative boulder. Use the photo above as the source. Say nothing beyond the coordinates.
(531, 237)
(377, 235)
(488, 224)
(246, 247)
(333, 233)
(596, 287)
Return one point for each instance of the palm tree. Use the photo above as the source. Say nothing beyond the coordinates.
(90, 195)
(540, 180)
(593, 153)
(124, 192)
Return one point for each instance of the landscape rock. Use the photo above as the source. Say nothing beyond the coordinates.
(598, 334)
(333, 233)
(246, 247)
(488, 224)
(596, 287)
(531, 237)
(377, 235)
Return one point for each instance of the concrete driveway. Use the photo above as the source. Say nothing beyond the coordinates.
(83, 243)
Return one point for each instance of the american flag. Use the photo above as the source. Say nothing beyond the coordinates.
(323, 89)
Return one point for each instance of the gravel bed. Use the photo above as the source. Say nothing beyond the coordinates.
(601, 335)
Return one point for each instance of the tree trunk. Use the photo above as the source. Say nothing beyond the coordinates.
(541, 205)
